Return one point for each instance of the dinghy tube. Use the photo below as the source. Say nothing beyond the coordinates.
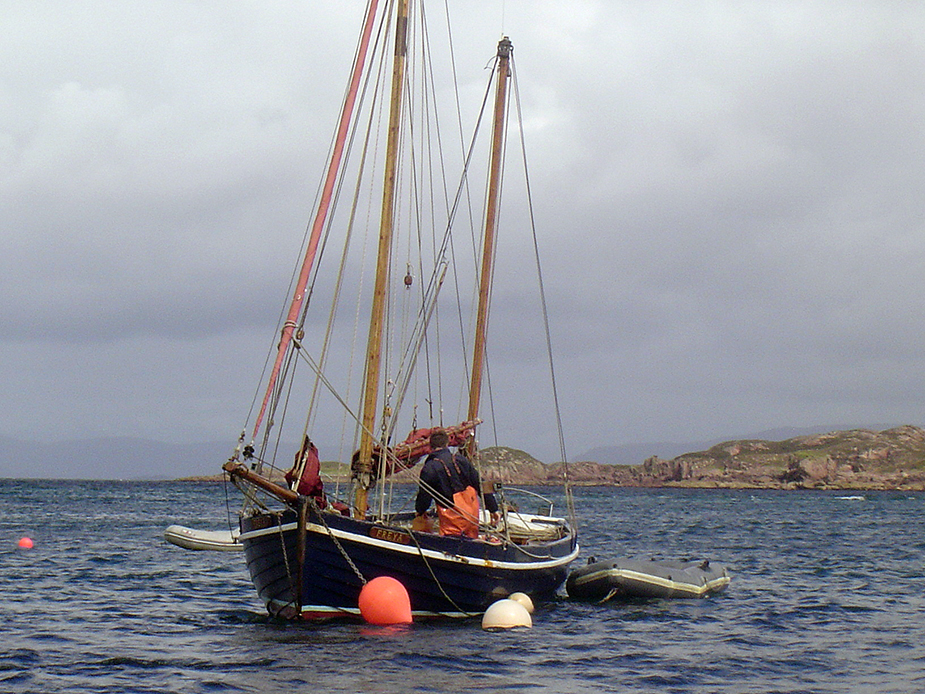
(214, 540)
(600, 581)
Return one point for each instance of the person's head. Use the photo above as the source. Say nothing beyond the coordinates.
(439, 439)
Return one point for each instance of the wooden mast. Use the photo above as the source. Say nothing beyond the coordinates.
(491, 224)
(295, 307)
(374, 345)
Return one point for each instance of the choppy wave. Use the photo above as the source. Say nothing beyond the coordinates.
(825, 596)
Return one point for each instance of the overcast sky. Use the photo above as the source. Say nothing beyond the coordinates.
(729, 197)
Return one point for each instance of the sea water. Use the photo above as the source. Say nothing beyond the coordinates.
(826, 596)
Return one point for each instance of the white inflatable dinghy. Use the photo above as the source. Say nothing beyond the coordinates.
(215, 540)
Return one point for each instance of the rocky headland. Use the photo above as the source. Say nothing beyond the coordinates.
(855, 459)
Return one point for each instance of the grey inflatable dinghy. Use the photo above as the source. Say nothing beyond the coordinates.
(646, 578)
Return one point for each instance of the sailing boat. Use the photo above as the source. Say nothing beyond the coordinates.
(310, 548)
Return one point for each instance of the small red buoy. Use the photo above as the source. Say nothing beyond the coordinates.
(384, 601)
(25, 543)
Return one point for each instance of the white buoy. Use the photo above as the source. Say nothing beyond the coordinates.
(523, 599)
(506, 614)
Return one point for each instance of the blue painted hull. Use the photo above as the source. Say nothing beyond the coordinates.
(445, 577)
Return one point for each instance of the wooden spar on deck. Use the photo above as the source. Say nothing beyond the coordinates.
(236, 469)
(374, 345)
(491, 224)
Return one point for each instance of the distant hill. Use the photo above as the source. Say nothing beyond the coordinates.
(853, 459)
(110, 458)
(634, 453)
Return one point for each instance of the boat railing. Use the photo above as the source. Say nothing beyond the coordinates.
(543, 504)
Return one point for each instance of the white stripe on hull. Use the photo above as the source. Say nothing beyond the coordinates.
(411, 549)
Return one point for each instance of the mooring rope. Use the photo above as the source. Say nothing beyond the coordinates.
(437, 580)
(282, 541)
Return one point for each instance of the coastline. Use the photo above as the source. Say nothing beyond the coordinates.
(852, 460)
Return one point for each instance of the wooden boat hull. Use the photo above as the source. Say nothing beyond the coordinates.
(646, 578)
(445, 577)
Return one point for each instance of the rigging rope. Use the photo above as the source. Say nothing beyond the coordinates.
(539, 270)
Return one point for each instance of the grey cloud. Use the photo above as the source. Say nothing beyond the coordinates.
(728, 202)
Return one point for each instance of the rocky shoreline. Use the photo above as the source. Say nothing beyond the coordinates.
(856, 459)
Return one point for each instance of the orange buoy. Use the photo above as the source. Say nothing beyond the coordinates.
(25, 543)
(384, 600)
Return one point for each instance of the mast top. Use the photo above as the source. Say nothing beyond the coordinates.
(505, 47)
